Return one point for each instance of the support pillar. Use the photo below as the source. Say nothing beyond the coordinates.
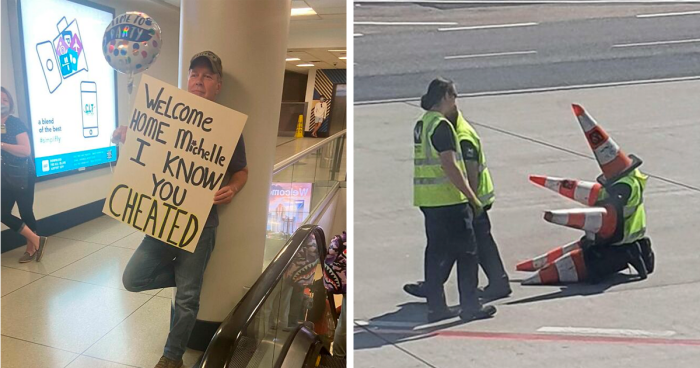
(250, 37)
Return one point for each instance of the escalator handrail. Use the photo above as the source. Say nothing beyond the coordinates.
(223, 344)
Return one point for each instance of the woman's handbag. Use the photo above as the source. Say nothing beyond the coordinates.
(15, 173)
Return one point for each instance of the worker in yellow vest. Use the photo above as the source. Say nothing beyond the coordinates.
(628, 245)
(449, 205)
(480, 182)
(614, 238)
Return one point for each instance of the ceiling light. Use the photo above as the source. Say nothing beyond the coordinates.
(292, 59)
(343, 57)
(305, 64)
(296, 12)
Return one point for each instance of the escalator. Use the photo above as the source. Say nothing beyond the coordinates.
(287, 319)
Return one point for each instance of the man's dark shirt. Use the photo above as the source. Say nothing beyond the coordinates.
(237, 163)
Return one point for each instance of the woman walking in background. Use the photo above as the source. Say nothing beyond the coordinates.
(18, 181)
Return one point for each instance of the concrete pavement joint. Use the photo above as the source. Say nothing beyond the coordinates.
(539, 90)
(398, 347)
(670, 181)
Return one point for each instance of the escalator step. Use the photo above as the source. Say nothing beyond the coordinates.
(329, 361)
(244, 352)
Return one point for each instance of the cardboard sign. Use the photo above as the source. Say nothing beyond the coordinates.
(174, 160)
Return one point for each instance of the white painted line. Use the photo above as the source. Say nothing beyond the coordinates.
(658, 43)
(487, 27)
(489, 55)
(606, 331)
(515, 2)
(405, 23)
(357, 35)
(667, 14)
(538, 90)
(398, 324)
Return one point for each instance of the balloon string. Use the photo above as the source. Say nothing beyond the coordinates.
(130, 85)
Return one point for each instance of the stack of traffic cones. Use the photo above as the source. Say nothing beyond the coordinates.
(584, 192)
(566, 263)
(612, 161)
(540, 262)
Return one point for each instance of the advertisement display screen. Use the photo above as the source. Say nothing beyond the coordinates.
(70, 86)
(290, 204)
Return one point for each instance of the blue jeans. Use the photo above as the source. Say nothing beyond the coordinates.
(157, 265)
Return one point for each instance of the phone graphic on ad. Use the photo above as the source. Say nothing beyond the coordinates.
(64, 57)
(47, 59)
(88, 102)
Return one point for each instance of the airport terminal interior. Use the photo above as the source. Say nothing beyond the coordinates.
(263, 302)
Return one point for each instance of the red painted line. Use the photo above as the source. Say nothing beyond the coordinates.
(545, 337)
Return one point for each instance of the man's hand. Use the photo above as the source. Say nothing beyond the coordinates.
(119, 135)
(477, 207)
(224, 195)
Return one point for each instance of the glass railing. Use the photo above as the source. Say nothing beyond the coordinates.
(300, 185)
(289, 294)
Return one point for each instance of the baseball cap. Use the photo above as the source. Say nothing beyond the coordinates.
(213, 59)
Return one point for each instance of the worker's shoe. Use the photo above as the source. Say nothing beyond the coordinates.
(494, 292)
(647, 254)
(634, 258)
(486, 311)
(441, 314)
(168, 363)
(417, 289)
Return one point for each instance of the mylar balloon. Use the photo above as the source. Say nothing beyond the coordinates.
(131, 42)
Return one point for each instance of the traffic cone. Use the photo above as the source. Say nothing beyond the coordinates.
(300, 127)
(598, 220)
(611, 159)
(584, 192)
(547, 258)
(568, 268)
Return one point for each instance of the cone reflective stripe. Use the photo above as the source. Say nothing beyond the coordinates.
(584, 192)
(599, 220)
(570, 267)
(547, 258)
(611, 159)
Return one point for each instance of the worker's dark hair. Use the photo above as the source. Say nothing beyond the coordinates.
(436, 92)
(9, 97)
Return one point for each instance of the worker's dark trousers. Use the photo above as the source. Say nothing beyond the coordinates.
(451, 239)
(489, 257)
(602, 261)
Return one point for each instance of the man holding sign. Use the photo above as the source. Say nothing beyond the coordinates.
(163, 260)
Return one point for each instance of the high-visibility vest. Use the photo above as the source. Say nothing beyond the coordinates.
(431, 186)
(633, 213)
(484, 191)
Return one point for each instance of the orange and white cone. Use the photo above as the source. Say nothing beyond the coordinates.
(568, 268)
(598, 220)
(612, 160)
(584, 192)
(547, 258)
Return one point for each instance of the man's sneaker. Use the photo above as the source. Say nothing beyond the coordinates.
(647, 254)
(416, 289)
(634, 258)
(168, 363)
(484, 312)
(492, 292)
(439, 315)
